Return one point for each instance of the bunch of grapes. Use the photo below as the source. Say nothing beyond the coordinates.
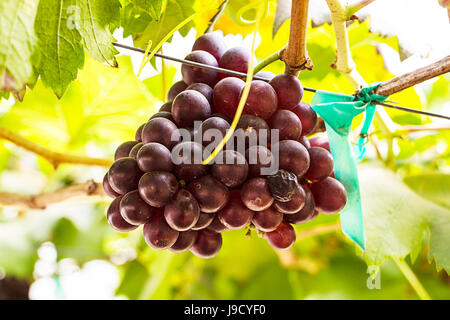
(256, 181)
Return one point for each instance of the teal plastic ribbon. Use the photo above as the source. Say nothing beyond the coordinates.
(338, 111)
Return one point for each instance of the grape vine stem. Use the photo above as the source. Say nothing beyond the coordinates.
(270, 59)
(217, 16)
(412, 278)
(55, 158)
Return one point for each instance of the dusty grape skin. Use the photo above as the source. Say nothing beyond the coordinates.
(167, 107)
(203, 221)
(255, 194)
(267, 220)
(294, 205)
(231, 174)
(307, 116)
(160, 130)
(261, 152)
(134, 210)
(213, 123)
(281, 238)
(184, 242)
(184, 156)
(235, 59)
(182, 212)
(154, 156)
(226, 95)
(207, 244)
(135, 150)
(158, 234)
(108, 189)
(287, 123)
(163, 114)
(306, 214)
(205, 90)
(216, 225)
(190, 106)
(194, 74)
(124, 149)
(304, 141)
(329, 194)
(211, 194)
(321, 164)
(138, 134)
(175, 89)
(157, 188)
(268, 75)
(235, 215)
(252, 129)
(293, 157)
(211, 42)
(114, 218)
(320, 141)
(261, 100)
(289, 90)
(124, 175)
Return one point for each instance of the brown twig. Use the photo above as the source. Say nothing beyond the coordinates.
(295, 55)
(41, 201)
(53, 157)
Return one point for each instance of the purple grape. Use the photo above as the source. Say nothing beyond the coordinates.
(157, 188)
(163, 114)
(211, 42)
(320, 141)
(255, 194)
(209, 137)
(154, 156)
(185, 241)
(267, 220)
(210, 193)
(204, 89)
(261, 100)
(283, 185)
(268, 75)
(294, 205)
(204, 220)
(289, 90)
(293, 157)
(320, 166)
(107, 187)
(329, 194)
(207, 244)
(190, 106)
(124, 175)
(287, 124)
(158, 234)
(304, 141)
(306, 214)
(235, 59)
(114, 218)
(167, 107)
(216, 225)
(235, 215)
(162, 131)
(175, 89)
(233, 169)
(283, 237)
(187, 157)
(182, 212)
(226, 96)
(250, 132)
(134, 210)
(138, 135)
(135, 150)
(124, 149)
(307, 116)
(258, 157)
(195, 74)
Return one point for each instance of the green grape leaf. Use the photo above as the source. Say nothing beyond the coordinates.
(133, 21)
(17, 43)
(434, 187)
(59, 43)
(151, 7)
(93, 22)
(397, 219)
(282, 13)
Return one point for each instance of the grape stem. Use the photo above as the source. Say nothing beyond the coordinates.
(41, 201)
(270, 59)
(412, 279)
(217, 16)
(55, 158)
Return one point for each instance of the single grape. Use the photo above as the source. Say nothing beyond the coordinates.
(255, 194)
(154, 156)
(163, 114)
(306, 214)
(134, 210)
(283, 185)
(307, 116)
(261, 100)
(210, 193)
(124, 149)
(158, 234)
(187, 157)
(226, 96)
(287, 124)
(124, 175)
(114, 218)
(207, 244)
(216, 225)
(250, 131)
(235, 59)
(138, 135)
(195, 74)
(203, 221)
(329, 194)
(190, 106)
(267, 220)
(304, 141)
(213, 137)
(157, 188)
(294, 205)
(293, 157)
(282, 237)
(107, 187)
(167, 107)
(268, 75)
(289, 90)
(235, 215)
(185, 241)
(211, 42)
(135, 150)
(182, 212)
(230, 168)
(259, 157)
(321, 164)
(162, 131)
(221, 115)
(320, 141)
(175, 89)
(204, 89)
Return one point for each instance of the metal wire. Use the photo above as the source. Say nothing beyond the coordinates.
(243, 75)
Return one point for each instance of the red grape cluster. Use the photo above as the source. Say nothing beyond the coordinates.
(269, 176)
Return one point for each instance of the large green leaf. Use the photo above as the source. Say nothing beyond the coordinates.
(93, 23)
(59, 43)
(397, 219)
(151, 7)
(434, 187)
